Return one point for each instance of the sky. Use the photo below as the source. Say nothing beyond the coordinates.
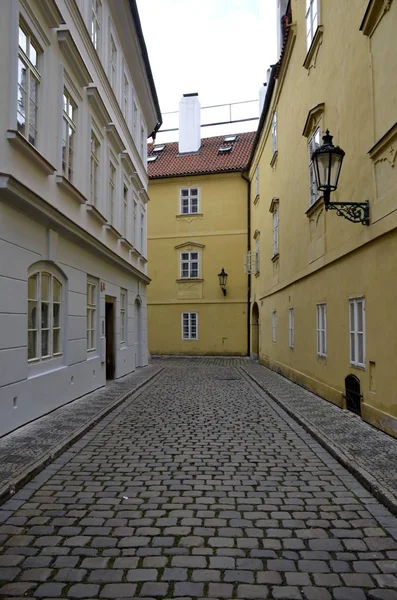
(218, 48)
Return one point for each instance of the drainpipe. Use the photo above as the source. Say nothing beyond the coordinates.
(248, 249)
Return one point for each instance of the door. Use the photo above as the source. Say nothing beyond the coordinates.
(255, 331)
(138, 334)
(109, 332)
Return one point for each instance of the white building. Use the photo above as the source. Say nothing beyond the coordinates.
(77, 105)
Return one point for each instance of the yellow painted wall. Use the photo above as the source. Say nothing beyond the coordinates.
(323, 257)
(220, 230)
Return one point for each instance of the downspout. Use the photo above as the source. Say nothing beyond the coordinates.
(249, 275)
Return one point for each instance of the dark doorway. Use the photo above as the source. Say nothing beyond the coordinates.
(353, 394)
(255, 332)
(110, 329)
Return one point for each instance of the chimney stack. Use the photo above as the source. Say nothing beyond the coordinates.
(189, 124)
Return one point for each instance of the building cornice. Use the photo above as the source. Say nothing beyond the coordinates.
(375, 12)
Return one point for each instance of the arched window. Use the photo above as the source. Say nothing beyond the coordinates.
(45, 306)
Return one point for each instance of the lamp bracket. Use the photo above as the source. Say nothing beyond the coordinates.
(356, 212)
(224, 291)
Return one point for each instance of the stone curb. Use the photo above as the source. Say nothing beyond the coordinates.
(28, 472)
(364, 477)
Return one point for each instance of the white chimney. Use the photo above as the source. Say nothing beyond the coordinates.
(189, 124)
(262, 94)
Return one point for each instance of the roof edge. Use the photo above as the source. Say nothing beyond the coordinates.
(195, 173)
(265, 110)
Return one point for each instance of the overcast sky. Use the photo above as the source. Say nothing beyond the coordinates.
(218, 48)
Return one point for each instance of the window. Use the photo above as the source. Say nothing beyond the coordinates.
(189, 201)
(274, 325)
(134, 119)
(142, 140)
(68, 135)
(123, 316)
(113, 63)
(28, 84)
(142, 237)
(257, 252)
(275, 230)
(321, 330)
(357, 332)
(257, 181)
(313, 143)
(91, 315)
(44, 316)
(291, 324)
(95, 147)
(125, 211)
(134, 211)
(274, 133)
(189, 265)
(126, 96)
(311, 20)
(96, 18)
(189, 326)
(112, 193)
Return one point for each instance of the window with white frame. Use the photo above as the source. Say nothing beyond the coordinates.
(189, 265)
(92, 292)
(274, 326)
(112, 193)
(142, 140)
(113, 63)
(126, 96)
(44, 316)
(134, 216)
(257, 181)
(134, 119)
(95, 149)
(275, 229)
(28, 84)
(189, 326)
(311, 20)
(125, 210)
(257, 252)
(314, 142)
(357, 332)
(291, 328)
(142, 236)
(96, 23)
(123, 316)
(189, 201)
(68, 135)
(274, 133)
(322, 330)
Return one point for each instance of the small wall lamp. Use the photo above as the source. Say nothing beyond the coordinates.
(222, 280)
(327, 160)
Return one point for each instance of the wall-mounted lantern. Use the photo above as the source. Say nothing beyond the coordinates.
(222, 276)
(327, 160)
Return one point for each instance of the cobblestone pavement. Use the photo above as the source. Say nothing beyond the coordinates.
(198, 486)
(365, 446)
(22, 449)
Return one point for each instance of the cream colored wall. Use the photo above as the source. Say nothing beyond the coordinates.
(221, 228)
(323, 257)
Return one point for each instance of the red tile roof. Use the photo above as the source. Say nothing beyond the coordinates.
(208, 159)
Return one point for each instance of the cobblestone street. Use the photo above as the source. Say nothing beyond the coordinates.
(197, 486)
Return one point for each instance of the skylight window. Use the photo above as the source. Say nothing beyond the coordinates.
(159, 148)
(224, 149)
(230, 138)
(152, 158)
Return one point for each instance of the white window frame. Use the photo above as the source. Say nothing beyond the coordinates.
(30, 104)
(113, 54)
(50, 328)
(257, 181)
(355, 334)
(275, 230)
(274, 326)
(190, 264)
(291, 328)
(134, 222)
(96, 23)
(126, 212)
(126, 96)
(95, 162)
(142, 140)
(123, 316)
(322, 329)
(134, 120)
(142, 231)
(274, 133)
(187, 199)
(189, 325)
(112, 187)
(313, 143)
(92, 307)
(69, 133)
(312, 20)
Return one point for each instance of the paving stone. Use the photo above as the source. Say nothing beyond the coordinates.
(380, 594)
(252, 591)
(106, 576)
(286, 592)
(222, 590)
(343, 593)
(51, 590)
(188, 589)
(11, 573)
(83, 590)
(155, 589)
(118, 590)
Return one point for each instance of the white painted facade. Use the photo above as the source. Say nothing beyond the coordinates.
(73, 200)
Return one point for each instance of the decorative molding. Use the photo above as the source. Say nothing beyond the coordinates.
(388, 142)
(313, 117)
(375, 12)
(70, 189)
(142, 193)
(274, 159)
(194, 244)
(31, 13)
(98, 104)
(73, 56)
(111, 229)
(127, 163)
(20, 142)
(256, 200)
(51, 13)
(275, 257)
(95, 213)
(318, 204)
(189, 218)
(273, 204)
(310, 61)
(115, 138)
(124, 242)
(257, 234)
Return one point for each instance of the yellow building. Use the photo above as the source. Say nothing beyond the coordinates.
(197, 226)
(324, 298)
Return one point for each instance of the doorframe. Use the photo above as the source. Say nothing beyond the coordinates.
(111, 300)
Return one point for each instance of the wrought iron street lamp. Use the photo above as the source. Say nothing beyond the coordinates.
(327, 161)
(222, 280)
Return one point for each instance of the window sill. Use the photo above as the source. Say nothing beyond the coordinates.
(359, 367)
(314, 48)
(71, 189)
(315, 206)
(112, 230)
(124, 242)
(19, 141)
(275, 257)
(189, 280)
(189, 215)
(95, 213)
(274, 158)
(257, 274)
